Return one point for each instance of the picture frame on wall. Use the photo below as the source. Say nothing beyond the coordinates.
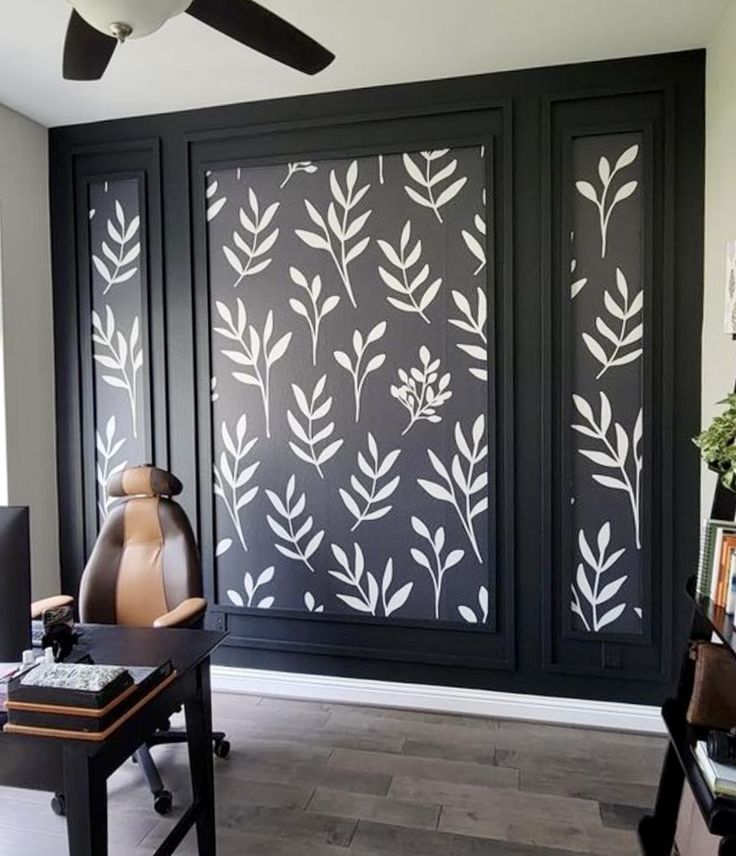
(729, 316)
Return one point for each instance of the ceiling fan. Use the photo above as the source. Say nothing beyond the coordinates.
(96, 27)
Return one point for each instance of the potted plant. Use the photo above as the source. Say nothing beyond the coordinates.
(717, 443)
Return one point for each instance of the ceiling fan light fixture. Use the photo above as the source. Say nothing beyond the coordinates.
(128, 18)
(120, 31)
(96, 27)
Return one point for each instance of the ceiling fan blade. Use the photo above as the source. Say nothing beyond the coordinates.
(262, 30)
(87, 51)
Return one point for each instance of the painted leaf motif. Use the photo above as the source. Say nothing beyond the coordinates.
(399, 598)
(467, 613)
(611, 616)
(611, 590)
(587, 190)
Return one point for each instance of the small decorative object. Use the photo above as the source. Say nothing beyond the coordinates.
(717, 443)
(722, 746)
(713, 700)
(729, 317)
(58, 631)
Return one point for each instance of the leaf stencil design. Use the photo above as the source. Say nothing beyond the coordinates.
(369, 497)
(123, 356)
(360, 369)
(473, 322)
(369, 597)
(417, 392)
(337, 231)
(311, 309)
(594, 594)
(620, 453)
(313, 411)
(477, 246)
(408, 288)
(298, 166)
(256, 243)
(578, 284)
(311, 604)
(107, 448)
(469, 614)
(119, 267)
(286, 531)
(215, 203)
(437, 566)
(223, 546)
(232, 476)
(430, 194)
(623, 344)
(251, 587)
(459, 485)
(256, 353)
(603, 202)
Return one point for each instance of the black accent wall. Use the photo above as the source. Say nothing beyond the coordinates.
(426, 358)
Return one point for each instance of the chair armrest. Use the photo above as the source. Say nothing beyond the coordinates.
(186, 613)
(38, 607)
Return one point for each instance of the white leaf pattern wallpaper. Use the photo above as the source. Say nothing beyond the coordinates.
(115, 240)
(607, 343)
(350, 417)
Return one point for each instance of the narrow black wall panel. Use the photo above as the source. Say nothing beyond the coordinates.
(537, 149)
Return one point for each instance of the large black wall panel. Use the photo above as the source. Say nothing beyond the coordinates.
(424, 357)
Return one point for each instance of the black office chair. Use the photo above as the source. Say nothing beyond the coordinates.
(144, 570)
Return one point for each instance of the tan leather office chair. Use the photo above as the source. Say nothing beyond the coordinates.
(144, 570)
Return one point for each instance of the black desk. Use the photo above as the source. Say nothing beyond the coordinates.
(80, 768)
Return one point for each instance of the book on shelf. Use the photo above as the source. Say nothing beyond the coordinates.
(717, 549)
(721, 778)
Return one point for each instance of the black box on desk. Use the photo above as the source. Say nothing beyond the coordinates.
(72, 709)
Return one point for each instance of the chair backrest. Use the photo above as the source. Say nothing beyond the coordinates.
(145, 561)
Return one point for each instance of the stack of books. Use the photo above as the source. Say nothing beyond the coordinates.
(721, 778)
(717, 563)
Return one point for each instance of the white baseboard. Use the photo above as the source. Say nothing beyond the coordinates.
(560, 711)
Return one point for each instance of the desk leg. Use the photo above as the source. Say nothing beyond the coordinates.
(86, 804)
(199, 737)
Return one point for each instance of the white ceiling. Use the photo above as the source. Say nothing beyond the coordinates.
(187, 65)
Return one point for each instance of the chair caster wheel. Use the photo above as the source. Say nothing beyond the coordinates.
(58, 805)
(163, 802)
(222, 748)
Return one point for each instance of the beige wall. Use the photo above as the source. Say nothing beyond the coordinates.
(27, 339)
(719, 351)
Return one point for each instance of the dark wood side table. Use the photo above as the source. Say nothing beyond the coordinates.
(80, 768)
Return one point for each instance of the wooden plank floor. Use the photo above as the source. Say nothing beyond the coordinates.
(309, 779)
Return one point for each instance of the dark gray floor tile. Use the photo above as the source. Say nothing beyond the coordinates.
(382, 809)
(619, 816)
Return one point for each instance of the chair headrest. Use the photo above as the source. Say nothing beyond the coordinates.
(144, 481)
